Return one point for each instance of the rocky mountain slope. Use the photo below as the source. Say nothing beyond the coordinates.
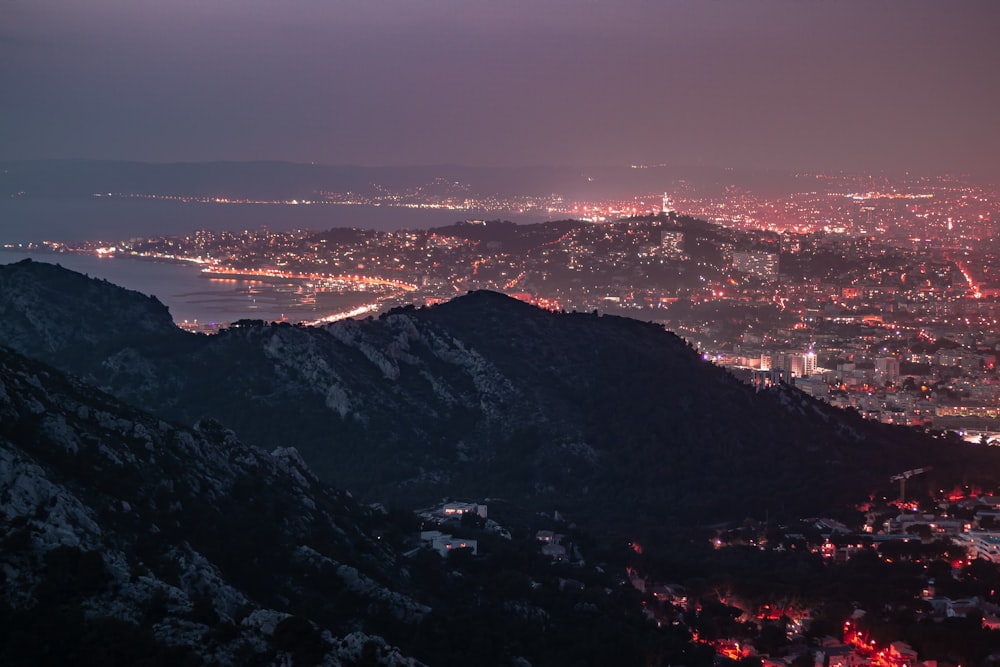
(48, 311)
(615, 421)
(127, 539)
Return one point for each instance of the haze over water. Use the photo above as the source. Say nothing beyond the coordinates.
(190, 295)
(113, 219)
(181, 287)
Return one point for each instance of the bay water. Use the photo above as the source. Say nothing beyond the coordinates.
(188, 293)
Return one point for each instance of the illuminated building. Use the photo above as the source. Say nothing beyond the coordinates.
(443, 543)
(761, 264)
(886, 370)
(460, 509)
(667, 206)
(798, 364)
(672, 244)
(808, 363)
(762, 379)
(765, 361)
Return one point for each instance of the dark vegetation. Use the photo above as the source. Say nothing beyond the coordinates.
(616, 423)
(512, 602)
(507, 236)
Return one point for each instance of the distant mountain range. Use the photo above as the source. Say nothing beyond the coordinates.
(41, 179)
(615, 422)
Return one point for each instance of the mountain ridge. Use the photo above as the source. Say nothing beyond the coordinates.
(72, 178)
(615, 421)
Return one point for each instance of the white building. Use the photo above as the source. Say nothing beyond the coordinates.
(443, 543)
(799, 364)
(459, 509)
(886, 370)
(985, 545)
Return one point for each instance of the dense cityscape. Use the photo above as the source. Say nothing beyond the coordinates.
(870, 293)
(874, 295)
(513, 334)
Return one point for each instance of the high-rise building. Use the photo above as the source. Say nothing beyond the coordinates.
(765, 361)
(798, 364)
(762, 379)
(761, 264)
(808, 363)
(886, 370)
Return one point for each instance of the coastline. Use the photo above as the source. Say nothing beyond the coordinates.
(199, 301)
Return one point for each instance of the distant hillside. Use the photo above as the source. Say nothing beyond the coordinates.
(510, 237)
(614, 421)
(49, 312)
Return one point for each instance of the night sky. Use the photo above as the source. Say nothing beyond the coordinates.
(863, 85)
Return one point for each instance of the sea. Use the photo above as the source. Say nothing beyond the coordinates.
(192, 297)
(196, 300)
(117, 219)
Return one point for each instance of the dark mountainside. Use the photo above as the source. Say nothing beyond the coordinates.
(125, 538)
(128, 540)
(615, 422)
(91, 312)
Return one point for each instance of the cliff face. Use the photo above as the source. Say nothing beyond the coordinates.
(615, 420)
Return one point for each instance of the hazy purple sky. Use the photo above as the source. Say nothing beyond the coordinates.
(814, 84)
